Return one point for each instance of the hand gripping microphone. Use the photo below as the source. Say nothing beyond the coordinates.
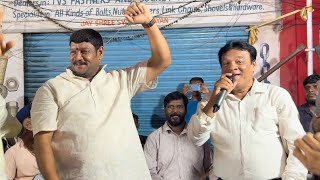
(221, 96)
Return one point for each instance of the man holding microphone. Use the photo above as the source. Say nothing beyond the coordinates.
(254, 127)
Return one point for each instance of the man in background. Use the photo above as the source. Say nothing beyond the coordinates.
(311, 92)
(196, 87)
(136, 122)
(169, 152)
(20, 160)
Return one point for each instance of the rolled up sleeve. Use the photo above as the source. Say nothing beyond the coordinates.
(44, 110)
(136, 76)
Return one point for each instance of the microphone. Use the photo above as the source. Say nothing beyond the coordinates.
(221, 97)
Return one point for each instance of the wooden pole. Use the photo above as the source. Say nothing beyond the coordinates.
(300, 48)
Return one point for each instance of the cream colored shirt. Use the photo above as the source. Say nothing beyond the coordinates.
(3, 115)
(174, 157)
(94, 133)
(249, 135)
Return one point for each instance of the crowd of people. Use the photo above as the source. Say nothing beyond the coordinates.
(80, 124)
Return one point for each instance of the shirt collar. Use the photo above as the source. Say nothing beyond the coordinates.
(166, 128)
(257, 87)
(305, 107)
(71, 75)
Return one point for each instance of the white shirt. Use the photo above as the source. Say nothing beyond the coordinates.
(174, 157)
(94, 132)
(249, 135)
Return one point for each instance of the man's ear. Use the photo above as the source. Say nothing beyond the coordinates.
(101, 52)
(27, 124)
(254, 65)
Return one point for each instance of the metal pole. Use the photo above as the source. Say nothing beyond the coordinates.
(310, 48)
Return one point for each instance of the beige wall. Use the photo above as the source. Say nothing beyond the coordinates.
(15, 68)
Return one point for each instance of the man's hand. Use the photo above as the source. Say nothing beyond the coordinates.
(315, 123)
(204, 89)
(138, 13)
(223, 83)
(185, 89)
(4, 47)
(308, 152)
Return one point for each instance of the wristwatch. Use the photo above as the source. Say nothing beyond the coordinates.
(150, 24)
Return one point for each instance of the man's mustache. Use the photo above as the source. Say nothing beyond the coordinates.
(80, 62)
(175, 114)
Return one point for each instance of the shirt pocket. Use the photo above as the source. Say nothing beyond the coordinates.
(265, 119)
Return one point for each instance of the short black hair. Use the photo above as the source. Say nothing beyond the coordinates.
(196, 79)
(135, 116)
(311, 79)
(238, 45)
(175, 95)
(87, 35)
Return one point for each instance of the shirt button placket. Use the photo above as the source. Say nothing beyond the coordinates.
(242, 124)
(93, 94)
(178, 153)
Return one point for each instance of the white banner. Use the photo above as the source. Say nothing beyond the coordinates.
(62, 15)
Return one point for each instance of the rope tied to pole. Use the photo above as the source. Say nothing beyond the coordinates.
(253, 30)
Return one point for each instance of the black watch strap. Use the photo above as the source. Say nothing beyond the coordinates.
(150, 24)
